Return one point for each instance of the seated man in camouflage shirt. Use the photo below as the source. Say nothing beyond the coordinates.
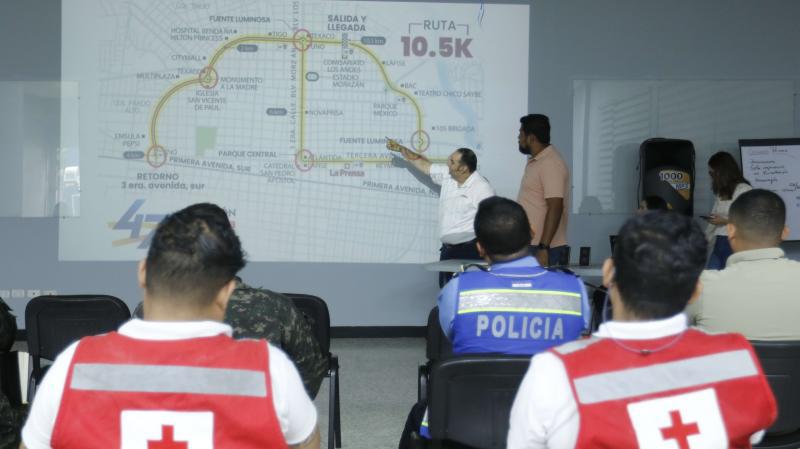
(261, 313)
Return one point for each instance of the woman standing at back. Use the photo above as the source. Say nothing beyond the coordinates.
(727, 183)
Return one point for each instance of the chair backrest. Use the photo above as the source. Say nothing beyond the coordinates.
(437, 346)
(53, 322)
(316, 312)
(599, 308)
(781, 363)
(471, 398)
(8, 327)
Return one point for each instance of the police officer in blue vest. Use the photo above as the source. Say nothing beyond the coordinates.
(512, 307)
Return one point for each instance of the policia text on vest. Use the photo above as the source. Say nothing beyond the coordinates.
(516, 310)
(514, 327)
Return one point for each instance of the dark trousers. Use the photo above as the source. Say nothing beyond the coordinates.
(558, 255)
(410, 438)
(466, 250)
(722, 250)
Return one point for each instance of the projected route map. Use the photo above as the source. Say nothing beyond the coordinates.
(278, 112)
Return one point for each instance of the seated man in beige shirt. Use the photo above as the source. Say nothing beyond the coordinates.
(756, 293)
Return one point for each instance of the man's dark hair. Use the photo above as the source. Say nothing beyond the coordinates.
(759, 216)
(469, 159)
(193, 254)
(501, 226)
(658, 258)
(538, 125)
(727, 174)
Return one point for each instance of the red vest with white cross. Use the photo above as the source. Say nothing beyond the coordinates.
(200, 393)
(686, 391)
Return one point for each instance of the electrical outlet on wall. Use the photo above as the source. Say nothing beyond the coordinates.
(34, 293)
(50, 293)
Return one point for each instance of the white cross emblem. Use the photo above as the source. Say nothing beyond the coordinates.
(161, 429)
(685, 421)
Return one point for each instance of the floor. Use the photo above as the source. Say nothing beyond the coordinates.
(378, 386)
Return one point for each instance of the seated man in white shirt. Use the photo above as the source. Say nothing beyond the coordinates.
(463, 188)
(645, 380)
(756, 293)
(176, 378)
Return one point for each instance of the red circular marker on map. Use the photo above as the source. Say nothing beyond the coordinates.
(302, 39)
(208, 77)
(420, 141)
(304, 160)
(156, 156)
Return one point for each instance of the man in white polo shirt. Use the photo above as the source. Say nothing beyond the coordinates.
(177, 378)
(463, 188)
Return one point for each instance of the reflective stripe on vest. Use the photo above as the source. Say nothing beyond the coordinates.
(522, 301)
(168, 379)
(663, 377)
(424, 428)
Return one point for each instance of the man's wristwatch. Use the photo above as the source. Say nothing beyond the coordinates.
(542, 246)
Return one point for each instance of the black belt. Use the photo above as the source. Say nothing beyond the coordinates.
(471, 242)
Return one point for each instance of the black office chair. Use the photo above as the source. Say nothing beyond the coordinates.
(138, 312)
(9, 365)
(316, 312)
(471, 398)
(437, 347)
(781, 363)
(599, 307)
(54, 322)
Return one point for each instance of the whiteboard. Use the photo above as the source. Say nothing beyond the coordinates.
(774, 164)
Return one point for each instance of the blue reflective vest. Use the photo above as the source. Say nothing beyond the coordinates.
(516, 310)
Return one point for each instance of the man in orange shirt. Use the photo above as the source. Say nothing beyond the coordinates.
(543, 191)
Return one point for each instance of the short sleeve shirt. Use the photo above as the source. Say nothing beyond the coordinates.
(546, 176)
(458, 204)
(296, 414)
(722, 208)
(545, 414)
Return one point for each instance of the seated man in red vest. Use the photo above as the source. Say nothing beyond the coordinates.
(176, 379)
(645, 380)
